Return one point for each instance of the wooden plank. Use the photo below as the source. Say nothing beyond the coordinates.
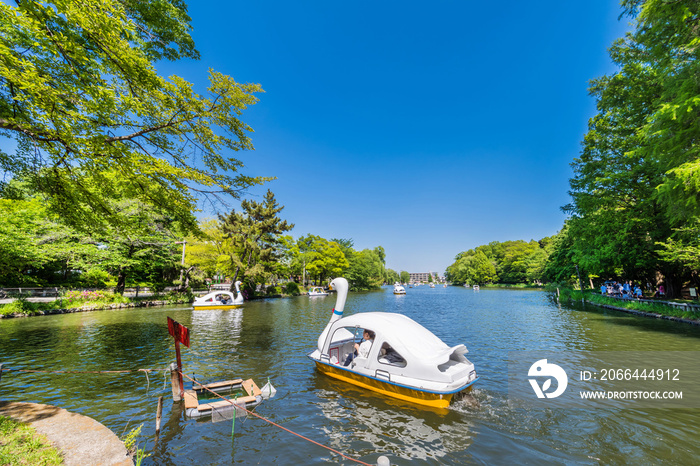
(214, 385)
(191, 399)
(245, 400)
(251, 388)
(224, 403)
(204, 407)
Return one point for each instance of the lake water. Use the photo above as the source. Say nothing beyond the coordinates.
(270, 339)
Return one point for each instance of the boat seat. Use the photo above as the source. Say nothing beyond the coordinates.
(397, 363)
(359, 361)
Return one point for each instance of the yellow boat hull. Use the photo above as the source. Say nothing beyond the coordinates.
(218, 307)
(435, 400)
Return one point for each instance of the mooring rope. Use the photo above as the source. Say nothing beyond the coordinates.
(237, 406)
(82, 372)
(275, 424)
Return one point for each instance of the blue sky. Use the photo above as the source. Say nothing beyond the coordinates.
(426, 128)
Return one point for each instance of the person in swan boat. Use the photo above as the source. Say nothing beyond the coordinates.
(361, 349)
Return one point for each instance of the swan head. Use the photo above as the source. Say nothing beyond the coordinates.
(340, 285)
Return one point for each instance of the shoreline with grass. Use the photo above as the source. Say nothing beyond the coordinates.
(84, 301)
(22, 444)
(102, 300)
(657, 310)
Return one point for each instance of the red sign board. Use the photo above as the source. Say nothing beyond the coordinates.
(179, 332)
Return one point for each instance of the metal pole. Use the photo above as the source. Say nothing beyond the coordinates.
(182, 263)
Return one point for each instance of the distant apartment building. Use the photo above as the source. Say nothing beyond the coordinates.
(423, 277)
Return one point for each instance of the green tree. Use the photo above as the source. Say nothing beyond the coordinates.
(81, 95)
(512, 263)
(288, 252)
(636, 183)
(253, 239)
(560, 266)
(205, 252)
(145, 249)
(346, 245)
(391, 276)
(665, 42)
(38, 249)
(483, 270)
(321, 258)
(534, 265)
(473, 267)
(366, 271)
(20, 247)
(405, 276)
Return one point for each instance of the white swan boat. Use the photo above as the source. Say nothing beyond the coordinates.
(220, 300)
(317, 291)
(405, 360)
(398, 289)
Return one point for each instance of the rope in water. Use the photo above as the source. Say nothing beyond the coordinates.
(277, 425)
(203, 387)
(81, 372)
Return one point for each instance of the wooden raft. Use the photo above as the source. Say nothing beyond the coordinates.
(249, 386)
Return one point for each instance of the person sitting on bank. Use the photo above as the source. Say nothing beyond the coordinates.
(661, 293)
(626, 288)
(361, 349)
(638, 292)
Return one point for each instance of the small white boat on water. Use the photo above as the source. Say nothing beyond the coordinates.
(401, 358)
(220, 300)
(476, 287)
(398, 289)
(317, 291)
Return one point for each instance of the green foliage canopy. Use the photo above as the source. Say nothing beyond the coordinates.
(635, 191)
(81, 95)
(253, 242)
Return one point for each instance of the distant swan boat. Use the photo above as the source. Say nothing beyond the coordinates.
(220, 300)
(317, 291)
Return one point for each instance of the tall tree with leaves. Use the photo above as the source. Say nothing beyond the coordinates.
(367, 271)
(143, 250)
(81, 95)
(253, 238)
(636, 183)
(320, 257)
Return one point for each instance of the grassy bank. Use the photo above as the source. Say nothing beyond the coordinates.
(659, 308)
(22, 445)
(515, 286)
(89, 301)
